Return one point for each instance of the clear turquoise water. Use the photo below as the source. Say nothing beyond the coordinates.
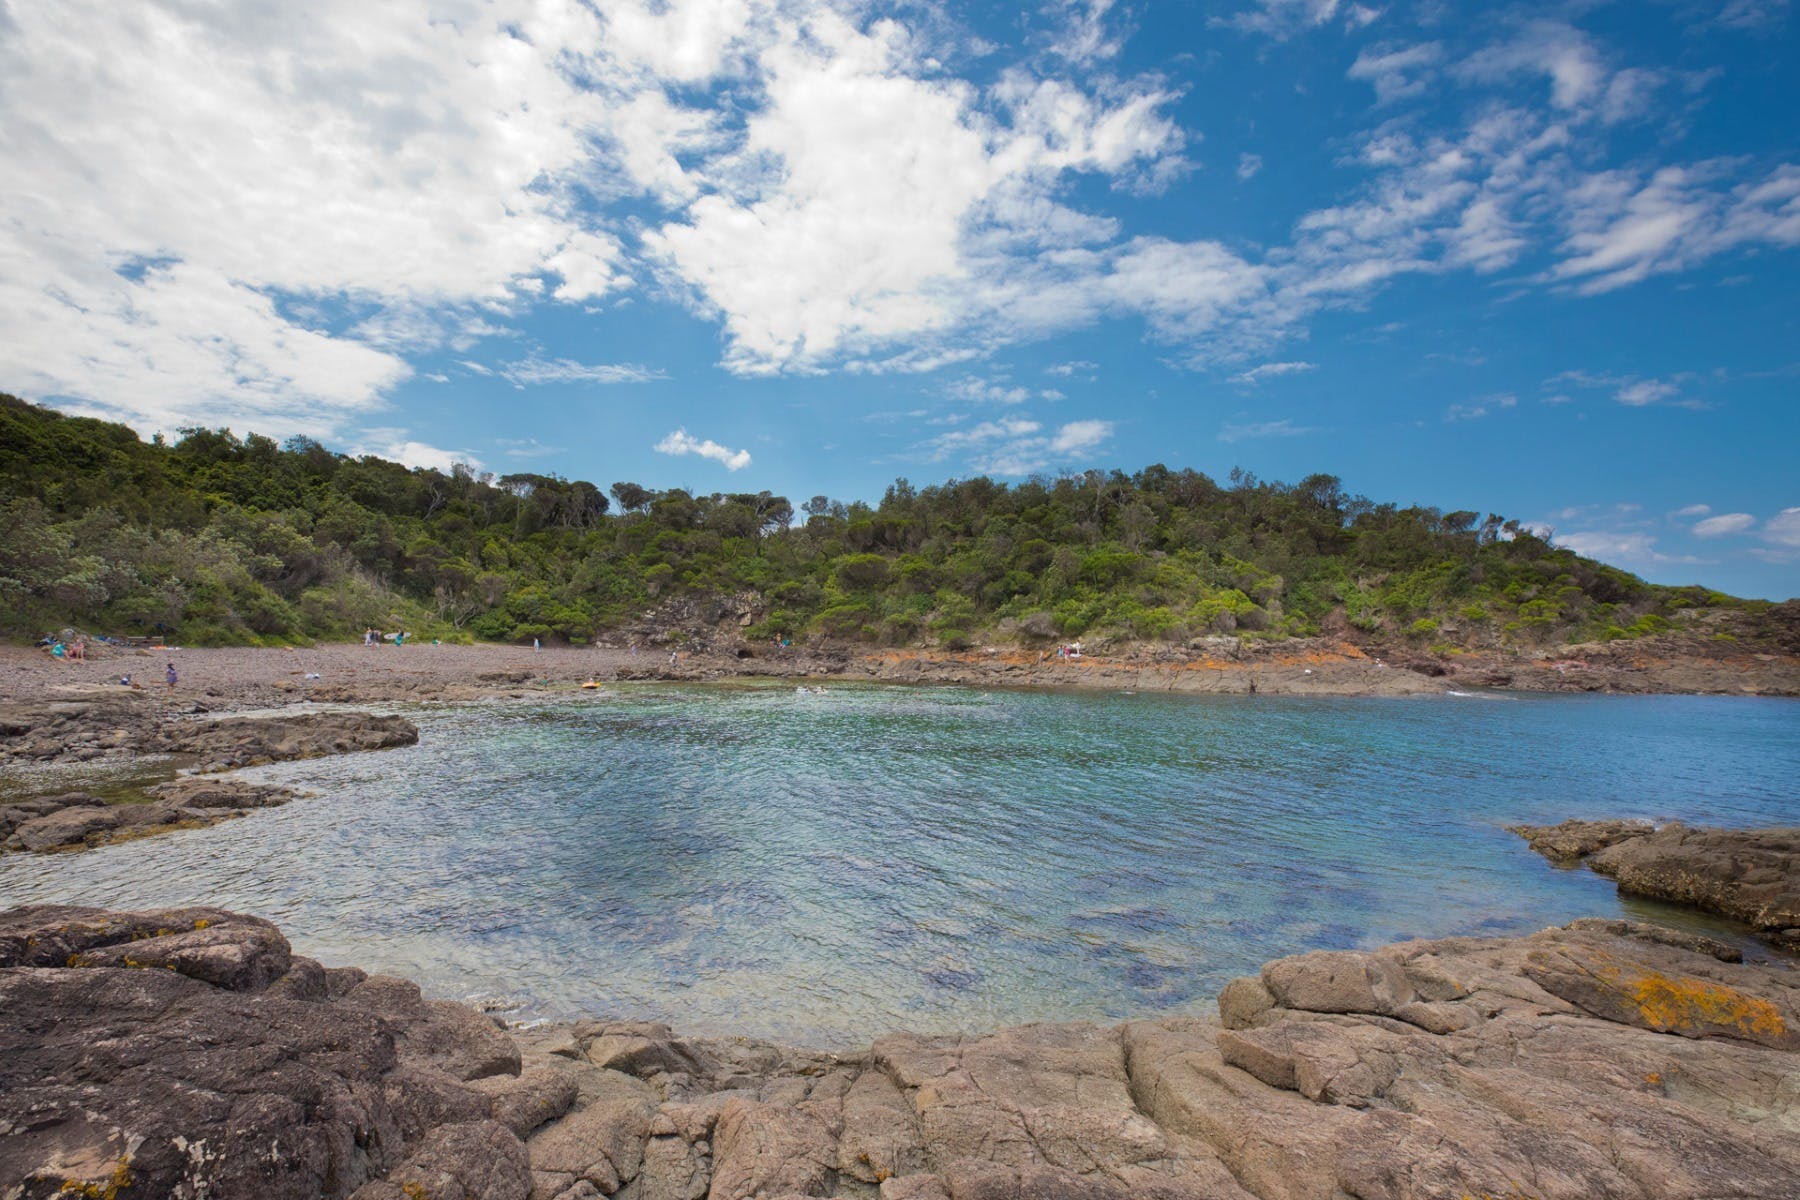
(819, 869)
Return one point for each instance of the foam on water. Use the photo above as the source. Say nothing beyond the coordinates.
(820, 868)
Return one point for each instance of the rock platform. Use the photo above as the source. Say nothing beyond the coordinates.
(1748, 875)
(189, 1053)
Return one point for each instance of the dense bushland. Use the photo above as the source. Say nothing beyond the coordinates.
(219, 539)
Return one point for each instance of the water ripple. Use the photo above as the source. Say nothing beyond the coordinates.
(821, 868)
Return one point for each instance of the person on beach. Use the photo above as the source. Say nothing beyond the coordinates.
(59, 651)
(534, 645)
(169, 674)
(672, 657)
(400, 639)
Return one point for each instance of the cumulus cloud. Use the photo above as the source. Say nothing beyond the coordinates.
(1693, 510)
(265, 219)
(1723, 524)
(1783, 529)
(231, 164)
(396, 445)
(682, 442)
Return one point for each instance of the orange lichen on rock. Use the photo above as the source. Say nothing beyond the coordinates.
(1686, 1003)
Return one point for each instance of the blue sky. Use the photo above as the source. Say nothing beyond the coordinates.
(1535, 259)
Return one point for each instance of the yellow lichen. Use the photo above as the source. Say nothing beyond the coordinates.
(201, 923)
(415, 1191)
(106, 1189)
(1685, 1003)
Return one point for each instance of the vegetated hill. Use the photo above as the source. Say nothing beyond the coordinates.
(214, 539)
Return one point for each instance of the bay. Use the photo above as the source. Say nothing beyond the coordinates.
(820, 868)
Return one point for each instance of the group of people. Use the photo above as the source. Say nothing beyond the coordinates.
(70, 651)
(1069, 650)
(374, 637)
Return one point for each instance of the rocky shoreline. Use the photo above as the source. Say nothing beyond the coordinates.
(85, 725)
(190, 1053)
(1748, 875)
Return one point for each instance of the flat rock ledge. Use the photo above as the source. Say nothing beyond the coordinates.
(1749, 875)
(80, 821)
(94, 722)
(188, 1053)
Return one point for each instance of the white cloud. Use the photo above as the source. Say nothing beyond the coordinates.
(1630, 390)
(1783, 528)
(982, 391)
(1621, 547)
(198, 171)
(1567, 56)
(1646, 391)
(871, 202)
(1477, 409)
(1693, 510)
(1078, 436)
(1397, 72)
(1018, 445)
(1073, 367)
(1085, 37)
(1271, 370)
(681, 442)
(1264, 429)
(1723, 524)
(1751, 14)
(394, 444)
(529, 371)
(1283, 19)
(1248, 165)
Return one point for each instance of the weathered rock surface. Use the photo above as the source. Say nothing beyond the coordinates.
(188, 1054)
(76, 820)
(1573, 840)
(248, 741)
(1749, 875)
(1604, 1061)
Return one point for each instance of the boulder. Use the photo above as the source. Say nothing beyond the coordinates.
(187, 1053)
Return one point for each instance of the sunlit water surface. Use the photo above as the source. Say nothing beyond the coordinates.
(818, 869)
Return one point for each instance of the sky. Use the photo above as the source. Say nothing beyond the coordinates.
(1536, 259)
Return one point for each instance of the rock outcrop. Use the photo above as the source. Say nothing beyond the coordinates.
(188, 1053)
(81, 723)
(78, 821)
(1749, 875)
(1605, 1061)
(230, 742)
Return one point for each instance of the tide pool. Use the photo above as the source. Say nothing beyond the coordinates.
(820, 868)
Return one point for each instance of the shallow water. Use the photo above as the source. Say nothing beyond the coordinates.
(818, 869)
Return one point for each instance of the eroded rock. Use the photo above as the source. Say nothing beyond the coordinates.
(1749, 875)
(187, 1053)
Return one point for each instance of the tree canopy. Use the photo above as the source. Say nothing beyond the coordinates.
(221, 539)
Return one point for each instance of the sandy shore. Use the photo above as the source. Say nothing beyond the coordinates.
(235, 677)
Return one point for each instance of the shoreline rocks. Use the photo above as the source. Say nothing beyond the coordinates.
(189, 1052)
(1748, 875)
